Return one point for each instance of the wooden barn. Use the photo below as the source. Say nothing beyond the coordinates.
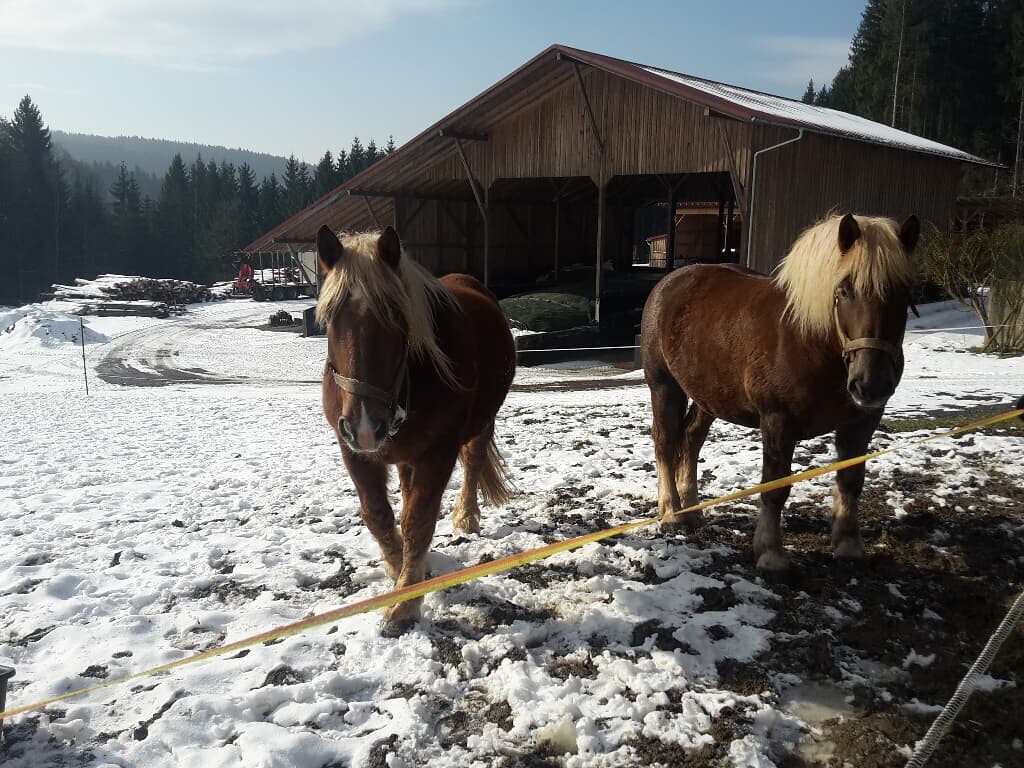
(564, 170)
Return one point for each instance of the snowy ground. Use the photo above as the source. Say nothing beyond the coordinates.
(197, 497)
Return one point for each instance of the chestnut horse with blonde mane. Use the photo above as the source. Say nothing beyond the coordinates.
(815, 348)
(416, 370)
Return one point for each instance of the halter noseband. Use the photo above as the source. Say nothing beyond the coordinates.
(866, 342)
(390, 398)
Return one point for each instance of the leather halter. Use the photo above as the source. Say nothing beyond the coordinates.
(390, 398)
(865, 342)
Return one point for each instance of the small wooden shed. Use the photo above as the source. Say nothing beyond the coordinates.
(576, 158)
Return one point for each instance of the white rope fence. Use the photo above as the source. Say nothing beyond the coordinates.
(953, 707)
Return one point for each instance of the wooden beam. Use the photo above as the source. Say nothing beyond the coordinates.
(453, 133)
(373, 213)
(292, 241)
(408, 220)
(472, 180)
(737, 183)
(590, 110)
(411, 194)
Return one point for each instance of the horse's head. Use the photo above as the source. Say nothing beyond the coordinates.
(870, 311)
(366, 375)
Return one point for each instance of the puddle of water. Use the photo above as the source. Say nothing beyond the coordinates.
(815, 703)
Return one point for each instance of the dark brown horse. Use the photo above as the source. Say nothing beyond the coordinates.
(814, 349)
(416, 371)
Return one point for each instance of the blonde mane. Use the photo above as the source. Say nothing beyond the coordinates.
(403, 298)
(876, 265)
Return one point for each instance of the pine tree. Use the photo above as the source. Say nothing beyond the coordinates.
(249, 205)
(809, 95)
(37, 204)
(391, 145)
(356, 157)
(175, 220)
(271, 205)
(326, 175)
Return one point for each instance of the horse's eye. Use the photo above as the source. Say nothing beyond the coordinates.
(844, 292)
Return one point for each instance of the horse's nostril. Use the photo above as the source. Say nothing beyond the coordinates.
(380, 430)
(346, 429)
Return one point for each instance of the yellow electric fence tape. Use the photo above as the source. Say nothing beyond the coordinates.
(495, 566)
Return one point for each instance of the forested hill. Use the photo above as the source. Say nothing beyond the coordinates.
(153, 156)
(951, 70)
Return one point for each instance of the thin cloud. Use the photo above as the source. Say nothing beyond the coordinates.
(795, 60)
(196, 34)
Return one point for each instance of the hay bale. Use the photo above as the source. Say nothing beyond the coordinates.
(544, 311)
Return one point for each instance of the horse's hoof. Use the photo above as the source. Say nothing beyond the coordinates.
(396, 627)
(851, 548)
(773, 561)
(672, 523)
(466, 525)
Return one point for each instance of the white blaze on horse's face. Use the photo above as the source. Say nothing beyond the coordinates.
(365, 349)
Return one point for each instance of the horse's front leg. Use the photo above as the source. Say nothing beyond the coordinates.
(420, 510)
(851, 441)
(371, 480)
(777, 450)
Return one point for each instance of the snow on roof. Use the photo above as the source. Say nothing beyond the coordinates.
(765, 106)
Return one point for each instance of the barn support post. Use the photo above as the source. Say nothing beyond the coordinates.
(487, 237)
(670, 239)
(601, 209)
(601, 184)
(720, 237)
(728, 227)
(558, 224)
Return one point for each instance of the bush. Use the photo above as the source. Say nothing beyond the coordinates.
(984, 271)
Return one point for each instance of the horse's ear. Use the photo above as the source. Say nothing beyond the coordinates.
(910, 231)
(849, 231)
(328, 249)
(389, 247)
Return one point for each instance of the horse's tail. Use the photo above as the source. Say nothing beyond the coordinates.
(495, 483)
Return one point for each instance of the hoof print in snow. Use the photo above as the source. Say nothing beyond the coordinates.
(378, 757)
(97, 672)
(284, 675)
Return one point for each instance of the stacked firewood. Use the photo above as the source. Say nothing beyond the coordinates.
(124, 295)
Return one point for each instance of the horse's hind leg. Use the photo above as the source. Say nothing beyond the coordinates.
(420, 510)
(668, 403)
(466, 515)
(850, 441)
(371, 481)
(695, 432)
(777, 450)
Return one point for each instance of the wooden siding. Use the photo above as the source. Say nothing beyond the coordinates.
(799, 183)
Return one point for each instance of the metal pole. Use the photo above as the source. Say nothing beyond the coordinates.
(85, 371)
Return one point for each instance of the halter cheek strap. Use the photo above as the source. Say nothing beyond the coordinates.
(389, 398)
(866, 342)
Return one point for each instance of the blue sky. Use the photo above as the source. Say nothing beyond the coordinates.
(304, 76)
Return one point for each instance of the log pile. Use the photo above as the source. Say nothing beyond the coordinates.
(117, 295)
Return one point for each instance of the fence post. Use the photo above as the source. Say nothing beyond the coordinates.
(85, 370)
